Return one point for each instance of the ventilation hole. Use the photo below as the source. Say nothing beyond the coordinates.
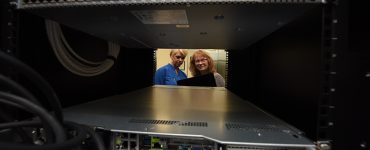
(325, 100)
(296, 136)
(254, 148)
(327, 43)
(132, 144)
(170, 122)
(324, 111)
(323, 122)
(249, 127)
(193, 124)
(323, 134)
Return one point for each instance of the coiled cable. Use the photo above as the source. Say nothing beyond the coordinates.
(71, 60)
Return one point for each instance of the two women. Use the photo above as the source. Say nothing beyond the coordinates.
(201, 63)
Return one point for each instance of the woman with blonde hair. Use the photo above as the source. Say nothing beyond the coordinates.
(170, 73)
(201, 63)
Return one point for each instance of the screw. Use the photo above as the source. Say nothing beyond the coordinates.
(363, 145)
(367, 75)
(324, 146)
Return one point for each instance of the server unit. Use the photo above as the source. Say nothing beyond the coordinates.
(297, 70)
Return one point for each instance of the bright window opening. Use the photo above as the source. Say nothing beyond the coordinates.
(218, 55)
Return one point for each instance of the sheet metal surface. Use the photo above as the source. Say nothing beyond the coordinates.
(210, 24)
(212, 113)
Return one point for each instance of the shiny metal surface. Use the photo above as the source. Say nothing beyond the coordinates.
(207, 112)
(149, 24)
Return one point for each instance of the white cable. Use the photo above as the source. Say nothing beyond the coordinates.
(74, 65)
(70, 50)
(71, 60)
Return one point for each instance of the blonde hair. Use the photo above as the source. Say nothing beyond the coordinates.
(211, 65)
(181, 51)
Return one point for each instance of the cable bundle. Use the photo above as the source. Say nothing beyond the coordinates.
(71, 60)
(56, 129)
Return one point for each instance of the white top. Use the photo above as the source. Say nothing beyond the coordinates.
(220, 81)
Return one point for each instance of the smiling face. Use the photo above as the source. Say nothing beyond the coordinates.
(202, 64)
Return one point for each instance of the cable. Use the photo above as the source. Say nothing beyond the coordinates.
(68, 144)
(71, 60)
(39, 111)
(18, 89)
(19, 131)
(98, 140)
(32, 123)
(36, 79)
(28, 102)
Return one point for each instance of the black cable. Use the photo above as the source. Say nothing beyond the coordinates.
(32, 123)
(18, 89)
(98, 140)
(42, 113)
(49, 136)
(66, 145)
(54, 102)
(37, 79)
(19, 131)
(50, 123)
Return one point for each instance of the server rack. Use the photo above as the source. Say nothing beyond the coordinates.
(336, 33)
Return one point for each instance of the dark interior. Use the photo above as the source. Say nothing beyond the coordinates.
(223, 26)
(279, 57)
(265, 41)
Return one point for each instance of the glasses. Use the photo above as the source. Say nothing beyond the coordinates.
(178, 57)
(201, 60)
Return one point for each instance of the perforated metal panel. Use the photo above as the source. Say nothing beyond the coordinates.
(193, 24)
(170, 122)
(211, 113)
(68, 3)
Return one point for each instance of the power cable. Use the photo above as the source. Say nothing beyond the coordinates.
(25, 104)
(37, 80)
(66, 145)
(71, 60)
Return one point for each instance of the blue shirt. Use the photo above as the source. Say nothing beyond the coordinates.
(166, 75)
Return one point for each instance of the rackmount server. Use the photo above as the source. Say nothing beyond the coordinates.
(296, 71)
